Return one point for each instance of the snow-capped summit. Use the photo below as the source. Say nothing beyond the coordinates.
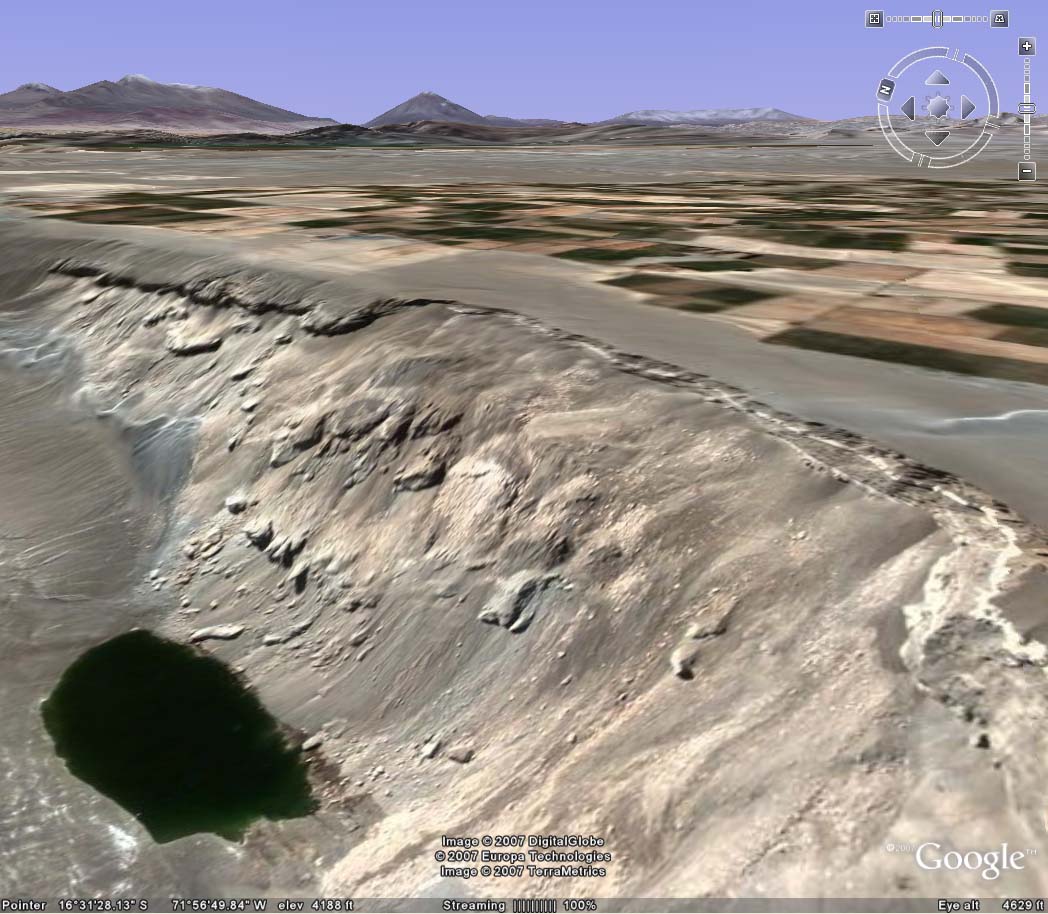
(704, 116)
(27, 94)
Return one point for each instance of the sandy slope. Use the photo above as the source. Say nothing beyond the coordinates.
(456, 533)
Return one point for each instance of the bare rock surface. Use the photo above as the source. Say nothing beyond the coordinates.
(225, 632)
(499, 535)
(516, 600)
(182, 343)
(461, 754)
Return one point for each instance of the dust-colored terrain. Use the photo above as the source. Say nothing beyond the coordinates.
(504, 540)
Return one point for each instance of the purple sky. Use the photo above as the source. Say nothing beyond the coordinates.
(570, 59)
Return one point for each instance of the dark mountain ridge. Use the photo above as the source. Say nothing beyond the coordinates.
(136, 102)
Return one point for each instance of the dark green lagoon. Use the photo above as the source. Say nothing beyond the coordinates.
(173, 736)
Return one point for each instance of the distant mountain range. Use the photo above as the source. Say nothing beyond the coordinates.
(140, 103)
(428, 106)
(656, 117)
(137, 102)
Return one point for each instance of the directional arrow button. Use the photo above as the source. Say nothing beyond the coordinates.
(908, 107)
(967, 106)
(938, 137)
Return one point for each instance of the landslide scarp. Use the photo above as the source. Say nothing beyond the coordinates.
(512, 581)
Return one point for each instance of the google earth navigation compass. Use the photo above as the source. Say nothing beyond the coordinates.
(938, 107)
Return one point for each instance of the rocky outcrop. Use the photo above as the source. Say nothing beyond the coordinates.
(217, 633)
(180, 342)
(333, 318)
(516, 600)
